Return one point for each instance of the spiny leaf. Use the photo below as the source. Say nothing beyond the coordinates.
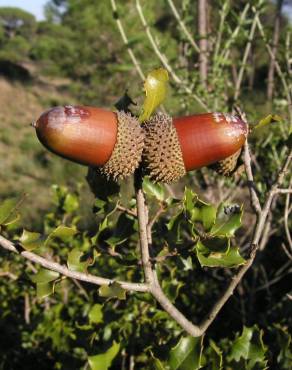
(43, 290)
(30, 240)
(228, 220)
(73, 261)
(189, 200)
(104, 360)
(8, 211)
(44, 276)
(214, 356)
(62, 232)
(155, 89)
(155, 190)
(187, 354)
(208, 216)
(113, 290)
(249, 346)
(229, 256)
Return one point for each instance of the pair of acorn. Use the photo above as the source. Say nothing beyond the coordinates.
(117, 143)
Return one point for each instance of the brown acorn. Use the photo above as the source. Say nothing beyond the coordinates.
(95, 137)
(174, 146)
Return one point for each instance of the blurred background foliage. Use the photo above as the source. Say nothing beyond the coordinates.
(77, 55)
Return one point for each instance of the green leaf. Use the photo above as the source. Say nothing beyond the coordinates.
(228, 220)
(228, 256)
(44, 290)
(155, 88)
(155, 190)
(271, 118)
(8, 211)
(208, 216)
(73, 261)
(124, 228)
(71, 203)
(187, 262)
(30, 240)
(189, 200)
(157, 364)
(112, 290)
(104, 360)
(249, 346)
(62, 232)
(95, 314)
(214, 356)
(284, 358)
(175, 225)
(187, 354)
(44, 276)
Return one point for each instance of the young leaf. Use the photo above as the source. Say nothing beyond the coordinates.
(155, 88)
(104, 360)
(271, 118)
(95, 314)
(112, 290)
(187, 354)
(30, 240)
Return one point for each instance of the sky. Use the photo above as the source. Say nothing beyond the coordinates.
(36, 6)
(33, 6)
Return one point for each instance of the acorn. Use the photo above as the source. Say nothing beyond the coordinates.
(112, 142)
(174, 146)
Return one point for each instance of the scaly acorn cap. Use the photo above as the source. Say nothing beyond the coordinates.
(111, 142)
(128, 148)
(175, 146)
(227, 166)
(162, 154)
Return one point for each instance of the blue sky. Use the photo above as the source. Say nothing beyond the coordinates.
(36, 6)
(33, 6)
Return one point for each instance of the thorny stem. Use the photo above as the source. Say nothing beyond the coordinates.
(51, 265)
(152, 284)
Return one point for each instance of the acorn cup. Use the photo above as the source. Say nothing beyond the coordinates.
(112, 142)
(174, 146)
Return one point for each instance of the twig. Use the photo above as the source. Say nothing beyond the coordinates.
(273, 281)
(277, 66)
(244, 60)
(126, 41)
(142, 221)
(164, 60)
(150, 224)
(126, 210)
(150, 274)
(284, 191)
(183, 26)
(255, 203)
(254, 246)
(286, 214)
(27, 308)
(50, 265)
